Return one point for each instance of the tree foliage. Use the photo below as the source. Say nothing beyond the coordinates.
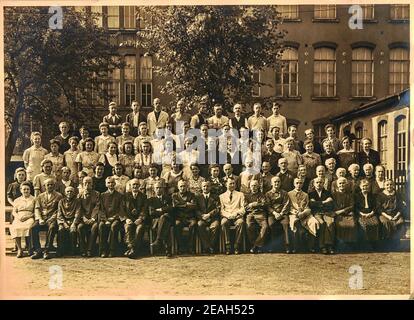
(45, 67)
(212, 49)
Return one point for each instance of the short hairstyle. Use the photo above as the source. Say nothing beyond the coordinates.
(275, 178)
(98, 164)
(90, 140)
(34, 134)
(366, 139)
(342, 179)
(74, 138)
(352, 166)
(297, 179)
(112, 104)
(64, 122)
(329, 125)
(330, 160)
(66, 168)
(54, 141)
(125, 143)
(368, 165)
(103, 124)
(309, 130)
(307, 142)
(109, 179)
(379, 166)
(339, 170)
(126, 124)
(363, 181)
(280, 160)
(25, 184)
(45, 161)
(53, 180)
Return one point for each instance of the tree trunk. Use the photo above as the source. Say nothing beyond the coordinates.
(15, 124)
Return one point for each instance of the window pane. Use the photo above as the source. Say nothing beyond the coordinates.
(113, 17)
(146, 68)
(130, 70)
(129, 17)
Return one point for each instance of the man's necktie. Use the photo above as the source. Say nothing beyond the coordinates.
(231, 196)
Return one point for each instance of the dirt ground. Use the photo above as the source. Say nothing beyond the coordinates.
(264, 276)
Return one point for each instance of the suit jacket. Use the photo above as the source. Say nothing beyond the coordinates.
(278, 202)
(373, 157)
(99, 184)
(64, 143)
(211, 206)
(113, 122)
(260, 207)
(315, 202)
(217, 187)
(111, 206)
(154, 124)
(130, 119)
(273, 159)
(89, 205)
(235, 206)
(286, 180)
(181, 207)
(163, 203)
(136, 208)
(47, 209)
(69, 211)
(236, 181)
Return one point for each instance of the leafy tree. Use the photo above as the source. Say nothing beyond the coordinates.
(212, 49)
(46, 68)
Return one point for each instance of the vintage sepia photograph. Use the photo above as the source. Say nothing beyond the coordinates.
(205, 150)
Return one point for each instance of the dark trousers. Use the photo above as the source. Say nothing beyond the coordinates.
(296, 237)
(279, 228)
(208, 233)
(108, 236)
(51, 230)
(326, 232)
(134, 235)
(66, 240)
(240, 227)
(257, 239)
(88, 233)
(161, 226)
(192, 227)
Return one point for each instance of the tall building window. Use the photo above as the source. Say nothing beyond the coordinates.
(289, 11)
(367, 11)
(324, 72)
(114, 83)
(146, 80)
(287, 76)
(256, 87)
(325, 11)
(382, 141)
(129, 17)
(359, 133)
(399, 73)
(97, 12)
(401, 144)
(400, 12)
(113, 17)
(362, 72)
(130, 79)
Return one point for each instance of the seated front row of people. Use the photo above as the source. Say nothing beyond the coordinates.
(318, 220)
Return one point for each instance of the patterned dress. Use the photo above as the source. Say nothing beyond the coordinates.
(32, 158)
(346, 227)
(390, 204)
(88, 161)
(128, 161)
(21, 207)
(369, 226)
(69, 158)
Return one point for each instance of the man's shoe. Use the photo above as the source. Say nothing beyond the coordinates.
(126, 254)
(211, 250)
(252, 250)
(111, 255)
(312, 250)
(331, 251)
(168, 254)
(288, 251)
(155, 244)
(46, 256)
(236, 251)
(89, 254)
(104, 255)
(36, 255)
(131, 254)
(324, 251)
(19, 254)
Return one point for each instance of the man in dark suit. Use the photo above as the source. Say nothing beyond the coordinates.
(184, 206)
(159, 209)
(271, 156)
(88, 230)
(114, 120)
(286, 177)
(135, 118)
(208, 211)
(217, 184)
(111, 212)
(368, 155)
(136, 218)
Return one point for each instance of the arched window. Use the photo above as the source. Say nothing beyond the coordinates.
(401, 153)
(359, 133)
(362, 72)
(324, 72)
(287, 76)
(399, 72)
(382, 141)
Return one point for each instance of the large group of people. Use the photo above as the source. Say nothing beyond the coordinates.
(243, 184)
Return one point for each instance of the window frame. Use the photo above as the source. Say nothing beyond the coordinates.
(359, 61)
(280, 72)
(319, 62)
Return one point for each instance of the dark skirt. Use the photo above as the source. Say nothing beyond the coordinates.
(391, 229)
(369, 228)
(346, 228)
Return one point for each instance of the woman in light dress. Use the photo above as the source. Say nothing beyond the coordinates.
(34, 155)
(87, 159)
(23, 213)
